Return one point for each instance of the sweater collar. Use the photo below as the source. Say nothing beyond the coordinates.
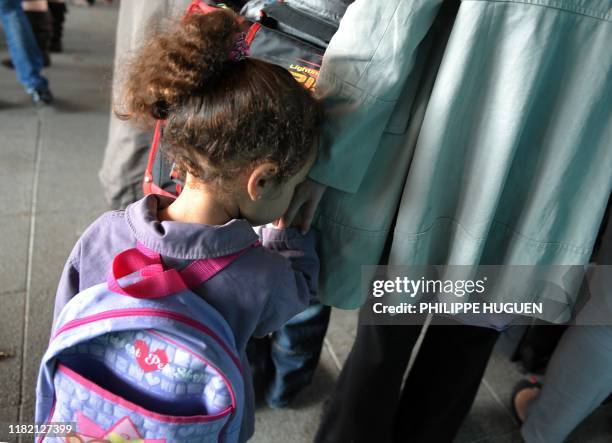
(189, 241)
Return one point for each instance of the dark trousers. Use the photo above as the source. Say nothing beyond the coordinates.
(369, 404)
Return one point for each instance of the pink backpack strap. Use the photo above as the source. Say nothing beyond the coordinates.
(159, 282)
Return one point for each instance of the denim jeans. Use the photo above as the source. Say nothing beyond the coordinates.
(22, 46)
(287, 359)
(295, 351)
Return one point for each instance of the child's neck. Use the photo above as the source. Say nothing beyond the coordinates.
(197, 204)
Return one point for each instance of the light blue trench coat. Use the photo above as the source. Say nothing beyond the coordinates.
(494, 147)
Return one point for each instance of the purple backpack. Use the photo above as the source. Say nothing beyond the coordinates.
(142, 358)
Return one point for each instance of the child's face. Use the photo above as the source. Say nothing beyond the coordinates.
(267, 201)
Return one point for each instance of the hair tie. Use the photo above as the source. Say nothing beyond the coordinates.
(241, 49)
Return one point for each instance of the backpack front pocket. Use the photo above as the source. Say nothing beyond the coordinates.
(104, 416)
(141, 385)
(145, 368)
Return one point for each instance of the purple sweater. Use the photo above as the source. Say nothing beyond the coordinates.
(256, 294)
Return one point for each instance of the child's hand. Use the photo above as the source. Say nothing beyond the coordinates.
(303, 206)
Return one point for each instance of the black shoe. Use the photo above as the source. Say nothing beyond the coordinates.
(41, 97)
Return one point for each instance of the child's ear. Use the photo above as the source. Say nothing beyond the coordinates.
(262, 181)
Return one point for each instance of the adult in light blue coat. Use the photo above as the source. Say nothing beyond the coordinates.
(491, 146)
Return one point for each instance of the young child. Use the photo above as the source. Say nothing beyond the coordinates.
(244, 133)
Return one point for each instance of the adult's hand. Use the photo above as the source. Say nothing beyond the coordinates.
(301, 210)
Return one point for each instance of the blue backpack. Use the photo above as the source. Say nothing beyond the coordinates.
(142, 358)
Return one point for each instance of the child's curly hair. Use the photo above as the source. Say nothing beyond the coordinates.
(221, 115)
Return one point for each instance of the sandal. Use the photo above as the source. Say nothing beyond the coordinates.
(525, 383)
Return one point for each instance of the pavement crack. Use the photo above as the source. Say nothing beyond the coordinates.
(28, 282)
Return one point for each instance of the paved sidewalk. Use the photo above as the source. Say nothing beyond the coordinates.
(49, 160)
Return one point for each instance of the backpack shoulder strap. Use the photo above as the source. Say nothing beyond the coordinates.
(156, 281)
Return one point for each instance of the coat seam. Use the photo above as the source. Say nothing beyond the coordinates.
(531, 241)
(354, 228)
(382, 37)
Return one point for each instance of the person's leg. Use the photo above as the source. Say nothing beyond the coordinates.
(37, 12)
(22, 46)
(295, 352)
(125, 156)
(579, 376)
(367, 392)
(578, 379)
(58, 10)
(443, 382)
(124, 162)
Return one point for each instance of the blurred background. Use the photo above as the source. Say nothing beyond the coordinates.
(49, 162)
